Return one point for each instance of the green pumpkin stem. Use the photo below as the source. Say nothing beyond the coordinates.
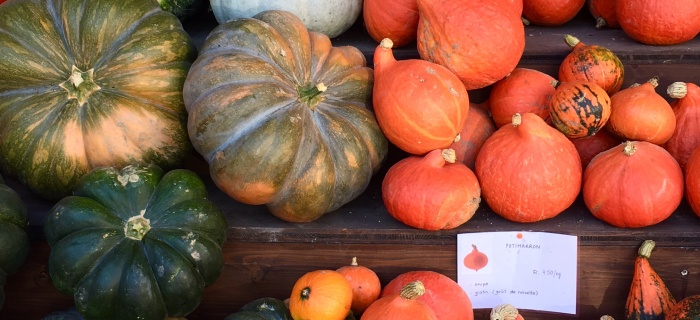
(646, 248)
(413, 290)
(310, 95)
(137, 227)
(571, 41)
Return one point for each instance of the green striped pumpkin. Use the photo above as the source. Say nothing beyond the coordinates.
(14, 242)
(89, 83)
(579, 108)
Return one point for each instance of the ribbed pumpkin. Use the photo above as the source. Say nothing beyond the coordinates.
(420, 105)
(402, 305)
(431, 192)
(523, 90)
(528, 170)
(86, 84)
(579, 108)
(604, 13)
(635, 184)
(659, 22)
(686, 107)
(393, 19)
(550, 13)
(444, 295)
(641, 114)
(365, 284)
(281, 116)
(481, 41)
(692, 181)
(320, 294)
(591, 146)
(592, 63)
(14, 241)
(687, 308)
(266, 308)
(477, 128)
(648, 297)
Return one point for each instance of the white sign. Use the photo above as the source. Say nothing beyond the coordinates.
(529, 270)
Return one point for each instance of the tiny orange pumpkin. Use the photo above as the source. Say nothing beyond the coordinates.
(365, 284)
(321, 294)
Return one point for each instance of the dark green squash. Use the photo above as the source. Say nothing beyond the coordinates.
(68, 314)
(90, 83)
(14, 241)
(136, 243)
(271, 308)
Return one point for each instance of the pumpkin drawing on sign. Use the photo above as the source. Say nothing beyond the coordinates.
(476, 259)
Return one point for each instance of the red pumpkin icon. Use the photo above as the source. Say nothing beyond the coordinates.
(476, 259)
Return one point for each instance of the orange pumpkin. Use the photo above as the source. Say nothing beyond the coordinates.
(477, 128)
(659, 22)
(402, 305)
(686, 107)
(420, 106)
(321, 294)
(365, 284)
(648, 298)
(604, 13)
(550, 13)
(591, 146)
(592, 63)
(692, 181)
(395, 19)
(579, 108)
(523, 90)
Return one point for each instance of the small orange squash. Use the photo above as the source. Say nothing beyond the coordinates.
(579, 108)
(402, 305)
(321, 294)
(365, 284)
(592, 63)
(686, 107)
(395, 19)
(523, 90)
(648, 298)
(550, 13)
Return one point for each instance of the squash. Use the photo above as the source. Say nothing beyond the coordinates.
(481, 41)
(68, 314)
(640, 114)
(266, 308)
(431, 192)
(635, 184)
(14, 241)
(420, 106)
(550, 13)
(321, 294)
(592, 63)
(604, 13)
(183, 9)
(523, 90)
(442, 294)
(402, 305)
(686, 108)
(659, 22)
(579, 108)
(331, 18)
(266, 91)
(692, 181)
(528, 170)
(396, 20)
(505, 311)
(89, 84)
(477, 128)
(687, 308)
(648, 298)
(365, 284)
(591, 146)
(135, 243)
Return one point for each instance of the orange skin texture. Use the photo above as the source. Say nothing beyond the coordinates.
(648, 296)
(594, 64)
(477, 128)
(530, 172)
(686, 137)
(641, 114)
(687, 308)
(394, 306)
(604, 9)
(551, 13)
(396, 20)
(633, 191)
(330, 296)
(659, 22)
(523, 90)
(692, 181)
(589, 147)
(365, 284)
(579, 108)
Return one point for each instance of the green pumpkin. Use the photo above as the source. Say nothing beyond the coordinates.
(282, 117)
(264, 308)
(68, 314)
(90, 83)
(14, 241)
(136, 243)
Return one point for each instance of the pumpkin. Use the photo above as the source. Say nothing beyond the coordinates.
(401, 305)
(633, 185)
(365, 284)
(396, 20)
(692, 181)
(89, 84)
(604, 13)
(321, 294)
(444, 295)
(550, 13)
(579, 108)
(591, 146)
(420, 106)
(481, 41)
(68, 314)
(266, 308)
(659, 22)
(505, 311)
(183, 9)
(592, 63)
(528, 170)
(648, 298)
(687, 308)
(476, 129)
(686, 108)
(14, 241)
(523, 90)
(266, 91)
(330, 18)
(432, 192)
(135, 243)
(640, 114)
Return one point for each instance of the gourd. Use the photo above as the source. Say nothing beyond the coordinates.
(476, 129)
(579, 108)
(604, 13)
(686, 108)
(282, 118)
(183, 9)
(481, 41)
(692, 181)
(331, 18)
(592, 63)
(523, 90)
(528, 170)
(14, 241)
(366, 286)
(635, 184)
(321, 294)
(402, 305)
(396, 20)
(550, 13)
(266, 308)
(420, 106)
(591, 146)
(89, 84)
(431, 192)
(659, 22)
(686, 309)
(135, 243)
(648, 297)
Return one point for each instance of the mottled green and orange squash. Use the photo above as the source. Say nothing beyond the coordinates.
(648, 298)
(592, 63)
(14, 241)
(687, 308)
(282, 116)
(90, 83)
(579, 108)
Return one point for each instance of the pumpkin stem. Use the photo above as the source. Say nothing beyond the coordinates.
(525, 21)
(571, 41)
(310, 95)
(413, 290)
(646, 248)
(137, 227)
(383, 57)
(516, 120)
(629, 149)
(305, 293)
(677, 90)
(607, 317)
(600, 22)
(504, 311)
(555, 83)
(449, 155)
(654, 82)
(80, 85)
(354, 262)
(386, 43)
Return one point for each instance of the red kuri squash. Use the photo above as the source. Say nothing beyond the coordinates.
(393, 19)
(477, 128)
(692, 181)
(366, 286)
(686, 107)
(648, 298)
(592, 63)
(604, 13)
(550, 13)
(659, 22)
(402, 305)
(579, 108)
(591, 146)
(523, 90)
